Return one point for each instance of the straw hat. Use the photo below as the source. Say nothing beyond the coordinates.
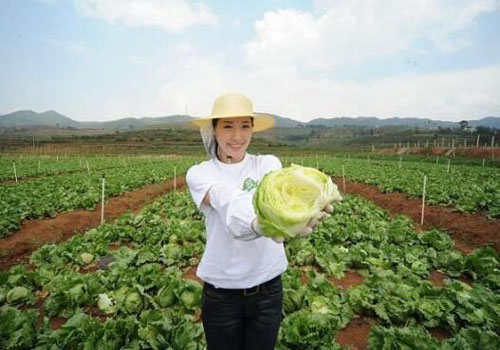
(236, 105)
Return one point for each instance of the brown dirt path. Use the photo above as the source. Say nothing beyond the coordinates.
(17, 247)
(355, 334)
(469, 231)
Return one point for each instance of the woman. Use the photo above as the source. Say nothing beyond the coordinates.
(242, 293)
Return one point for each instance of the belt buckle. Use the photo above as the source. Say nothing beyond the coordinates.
(248, 291)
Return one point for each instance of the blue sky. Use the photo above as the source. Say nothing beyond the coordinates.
(110, 59)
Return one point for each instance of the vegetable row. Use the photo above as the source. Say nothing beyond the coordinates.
(464, 187)
(125, 285)
(51, 195)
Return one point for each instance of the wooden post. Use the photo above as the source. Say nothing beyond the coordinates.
(175, 178)
(448, 167)
(423, 201)
(399, 165)
(477, 142)
(483, 162)
(88, 167)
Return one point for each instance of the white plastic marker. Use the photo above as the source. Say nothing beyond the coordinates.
(102, 198)
(15, 173)
(88, 167)
(423, 201)
(483, 162)
(343, 177)
(448, 167)
(477, 142)
(399, 165)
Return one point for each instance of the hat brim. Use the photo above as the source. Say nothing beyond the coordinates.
(261, 121)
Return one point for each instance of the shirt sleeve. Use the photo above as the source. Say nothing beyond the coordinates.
(235, 208)
(270, 163)
(198, 185)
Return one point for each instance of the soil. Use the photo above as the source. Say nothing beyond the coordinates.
(440, 333)
(437, 278)
(190, 274)
(469, 231)
(57, 322)
(17, 247)
(351, 279)
(355, 334)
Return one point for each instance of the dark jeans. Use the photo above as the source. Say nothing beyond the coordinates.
(237, 319)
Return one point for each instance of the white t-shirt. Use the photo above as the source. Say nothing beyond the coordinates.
(235, 256)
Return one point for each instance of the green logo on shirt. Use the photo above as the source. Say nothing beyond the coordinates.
(249, 184)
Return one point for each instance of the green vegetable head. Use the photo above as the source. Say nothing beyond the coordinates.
(190, 295)
(133, 303)
(17, 295)
(86, 258)
(287, 199)
(166, 296)
(106, 304)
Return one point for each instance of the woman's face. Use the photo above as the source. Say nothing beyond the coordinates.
(233, 136)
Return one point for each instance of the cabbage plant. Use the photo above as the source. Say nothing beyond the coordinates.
(286, 200)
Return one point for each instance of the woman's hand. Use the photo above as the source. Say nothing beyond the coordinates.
(327, 209)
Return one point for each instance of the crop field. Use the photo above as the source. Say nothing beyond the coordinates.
(467, 188)
(366, 279)
(66, 185)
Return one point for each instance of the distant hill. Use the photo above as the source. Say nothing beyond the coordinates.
(54, 119)
(373, 121)
(30, 118)
(134, 123)
(491, 122)
(286, 122)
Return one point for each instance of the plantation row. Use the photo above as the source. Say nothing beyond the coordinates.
(466, 188)
(123, 285)
(49, 196)
(34, 166)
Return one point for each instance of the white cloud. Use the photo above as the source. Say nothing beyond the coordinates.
(72, 46)
(352, 31)
(78, 48)
(286, 69)
(170, 15)
(468, 94)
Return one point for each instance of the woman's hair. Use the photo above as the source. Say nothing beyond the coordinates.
(216, 120)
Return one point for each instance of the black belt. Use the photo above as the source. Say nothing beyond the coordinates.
(244, 291)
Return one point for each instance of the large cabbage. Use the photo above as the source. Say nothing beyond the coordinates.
(287, 199)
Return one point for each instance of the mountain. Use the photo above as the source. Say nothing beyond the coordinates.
(373, 121)
(30, 118)
(54, 119)
(286, 122)
(490, 122)
(134, 123)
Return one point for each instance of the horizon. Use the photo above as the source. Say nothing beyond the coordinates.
(280, 116)
(104, 61)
